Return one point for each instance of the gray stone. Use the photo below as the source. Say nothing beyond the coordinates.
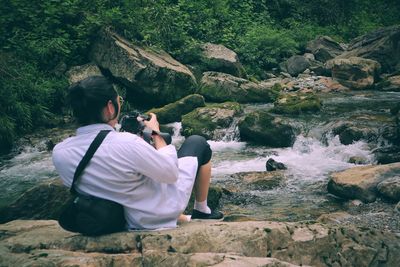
(222, 87)
(78, 73)
(262, 128)
(354, 72)
(296, 65)
(390, 188)
(221, 59)
(381, 45)
(324, 48)
(361, 182)
(149, 75)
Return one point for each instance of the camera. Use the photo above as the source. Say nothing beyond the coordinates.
(134, 123)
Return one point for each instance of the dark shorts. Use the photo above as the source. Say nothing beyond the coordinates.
(196, 146)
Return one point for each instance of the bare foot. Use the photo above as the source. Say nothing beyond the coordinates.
(183, 218)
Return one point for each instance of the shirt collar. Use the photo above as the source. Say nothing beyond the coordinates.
(97, 127)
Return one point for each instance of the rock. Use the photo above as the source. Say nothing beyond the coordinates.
(273, 165)
(397, 208)
(78, 73)
(211, 121)
(391, 83)
(262, 128)
(354, 72)
(262, 180)
(385, 155)
(390, 188)
(297, 103)
(324, 48)
(173, 112)
(221, 59)
(334, 217)
(361, 182)
(295, 65)
(44, 243)
(358, 160)
(380, 45)
(150, 76)
(44, 201)
(221, 87)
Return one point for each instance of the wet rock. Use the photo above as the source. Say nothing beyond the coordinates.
(390, 188)
(260, 180)
(273, 165)
(221, 59)
(44, 201)
(173, 112)
(380, 45)
(211, 121)
(361, 182)
(79, 73)
(397, 208)
(324, 48)
(221, 87)
(150, 76)
(391, 83)
(358, 160)
(44, 243)
(262, 128)
(297, 103)
(295, 65)
(385, 155)
(354, 72)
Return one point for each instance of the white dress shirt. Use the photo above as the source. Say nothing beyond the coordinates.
(152, 185)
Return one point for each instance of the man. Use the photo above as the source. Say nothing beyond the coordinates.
(153, 183)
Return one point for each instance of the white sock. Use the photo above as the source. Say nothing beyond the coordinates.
(202, 206)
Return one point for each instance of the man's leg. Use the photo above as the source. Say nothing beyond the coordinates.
(197, 146)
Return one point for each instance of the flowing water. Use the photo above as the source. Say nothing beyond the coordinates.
(314, 155)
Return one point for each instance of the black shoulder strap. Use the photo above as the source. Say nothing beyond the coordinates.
(86, 158)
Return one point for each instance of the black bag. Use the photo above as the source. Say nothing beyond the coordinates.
(91, 215)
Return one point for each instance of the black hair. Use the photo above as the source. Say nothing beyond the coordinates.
(88, 97)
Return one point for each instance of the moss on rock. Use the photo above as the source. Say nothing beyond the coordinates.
(297, 103)
(174, 111)
(203, 121)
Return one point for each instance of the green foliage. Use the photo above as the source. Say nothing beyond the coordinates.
(266, 47)
(28, 98)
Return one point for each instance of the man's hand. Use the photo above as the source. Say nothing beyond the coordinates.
(153, 124)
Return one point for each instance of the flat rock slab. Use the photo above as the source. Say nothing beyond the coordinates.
(361, 182)
(262, 243)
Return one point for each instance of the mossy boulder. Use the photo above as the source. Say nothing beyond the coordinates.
(221, 87)
(210, 121)
(297, 103)
(174, 111)
(262, 128)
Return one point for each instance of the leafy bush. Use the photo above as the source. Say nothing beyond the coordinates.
(264, 47)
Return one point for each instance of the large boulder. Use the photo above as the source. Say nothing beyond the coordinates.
(324, 48)
(44, 201)
(361, 182)
(212, 120)
(44, 243)
(295, 65)
(173, 112)
(355, 72)
(385, 155)
(381, 45)
(262, 128)
(79, 73)
(219, 58)
(150, 76)
(297, 103)
(221, 87)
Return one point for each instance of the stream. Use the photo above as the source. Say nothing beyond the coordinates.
(315, 154)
